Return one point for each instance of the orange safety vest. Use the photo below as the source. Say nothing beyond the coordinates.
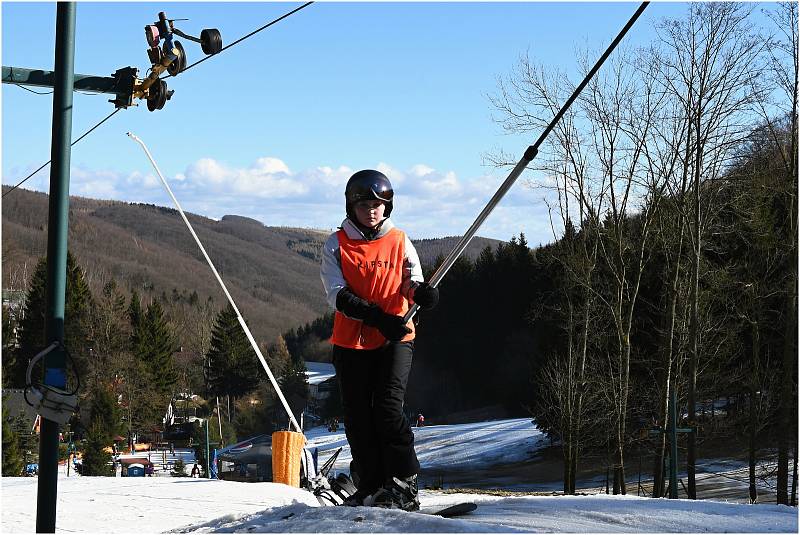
(373, 270)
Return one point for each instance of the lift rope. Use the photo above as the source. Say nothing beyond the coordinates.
(528, 156)
(243, 324)
(292, 12)
(45, 164)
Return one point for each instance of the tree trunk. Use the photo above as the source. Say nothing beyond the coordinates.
(568, 475)
(794, 478)
(753, 417)
(669, 337)
(786, 427)
(694, 327)
(752, 446)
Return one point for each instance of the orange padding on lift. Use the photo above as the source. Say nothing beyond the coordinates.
(287, 450)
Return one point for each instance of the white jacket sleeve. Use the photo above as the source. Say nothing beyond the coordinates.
(331, 270)
(412, 270)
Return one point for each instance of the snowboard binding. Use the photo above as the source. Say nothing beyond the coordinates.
(329, 489)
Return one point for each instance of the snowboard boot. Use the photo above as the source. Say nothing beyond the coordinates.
(357, 498)
(398, 493)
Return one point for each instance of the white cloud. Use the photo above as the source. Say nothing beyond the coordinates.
(267, 178)
(270, 166)
(137, 179)
(428, 202)
(207, 170)
(421, 170)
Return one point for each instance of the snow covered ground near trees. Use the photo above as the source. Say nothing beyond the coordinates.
(185, 505)
(462, 446)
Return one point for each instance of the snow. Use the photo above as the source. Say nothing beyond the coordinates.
(185, 505)
(463, 446)
(319, 372)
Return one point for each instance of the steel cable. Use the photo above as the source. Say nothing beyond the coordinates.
(292, 12)
(168, 76)
(71, 144)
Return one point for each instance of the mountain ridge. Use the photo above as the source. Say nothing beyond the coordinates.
(271, 272)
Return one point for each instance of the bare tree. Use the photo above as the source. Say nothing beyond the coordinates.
(528, 100)
(623, 108)
(783, 55)
(710, 61)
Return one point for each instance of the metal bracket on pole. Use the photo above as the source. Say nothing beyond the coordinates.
(530, 154)
(121, 84)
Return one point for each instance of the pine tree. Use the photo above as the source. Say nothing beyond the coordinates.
(232, 367)
(77, 307)
(106, 412)
(12, 457)
(157, 345)
(95, 460)
(9, 345)
(294, 385)
(137, 323)
(278, 356)
(150, 372)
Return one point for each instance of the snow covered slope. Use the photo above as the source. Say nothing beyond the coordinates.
(475, 445)
(157, 505)
(185, 505)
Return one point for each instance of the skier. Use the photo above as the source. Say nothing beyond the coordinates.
(420, 420)
(372, 274)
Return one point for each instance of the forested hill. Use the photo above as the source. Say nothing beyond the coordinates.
(272, 272)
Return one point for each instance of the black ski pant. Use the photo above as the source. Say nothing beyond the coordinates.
(373, 386)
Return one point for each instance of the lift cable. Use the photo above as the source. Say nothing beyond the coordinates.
(245, 37)
(184, 70)
(73, 143)
(32, 91)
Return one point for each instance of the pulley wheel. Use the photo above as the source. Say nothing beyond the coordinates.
(178, 64)
(157, 96)
(211, 41)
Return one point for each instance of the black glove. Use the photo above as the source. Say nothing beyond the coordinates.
(352, 305)
(391, 327)
(426, 296)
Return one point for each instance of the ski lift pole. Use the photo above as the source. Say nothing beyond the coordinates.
(530, 154)
(224, 288)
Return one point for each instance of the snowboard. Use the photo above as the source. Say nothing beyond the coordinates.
(453, 510)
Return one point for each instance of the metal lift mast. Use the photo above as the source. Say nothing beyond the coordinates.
(58, 219)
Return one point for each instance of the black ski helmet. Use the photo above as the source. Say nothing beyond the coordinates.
(368, 185)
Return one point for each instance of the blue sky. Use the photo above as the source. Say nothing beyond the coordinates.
(272, 127)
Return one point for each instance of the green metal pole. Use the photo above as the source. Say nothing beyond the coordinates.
(673, 444)
(54, 362)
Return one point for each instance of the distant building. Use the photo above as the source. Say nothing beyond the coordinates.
(321, 378)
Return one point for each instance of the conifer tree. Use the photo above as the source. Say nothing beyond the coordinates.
(9, 346)
(278, 357)
(12, 457)
(232, 367)
(106, 412)
(151, 371)
(156, 346)
(136, 318)
(294, 385)
(95, 461)
(77, 309)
